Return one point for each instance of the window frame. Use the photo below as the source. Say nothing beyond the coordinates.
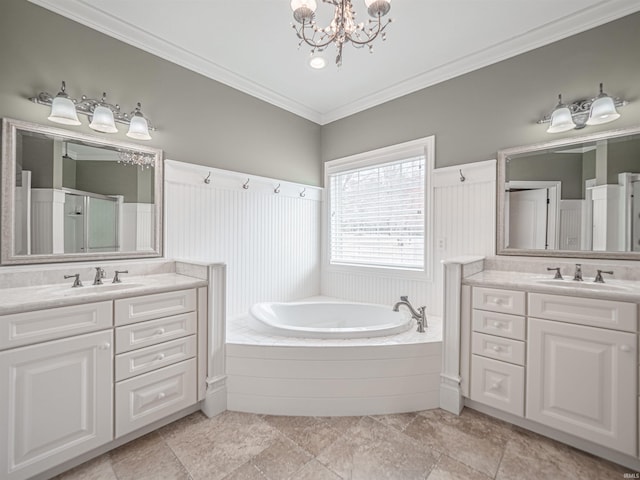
(423, 146)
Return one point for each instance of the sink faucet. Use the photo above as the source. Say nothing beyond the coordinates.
(599, 278)
(116, 276)
(418, 315)
(76, 282)
(578, 275)
(100, 274)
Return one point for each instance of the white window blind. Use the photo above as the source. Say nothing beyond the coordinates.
(377, 215)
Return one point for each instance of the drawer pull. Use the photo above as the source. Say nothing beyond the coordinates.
(497, 301)
(105, 346)
(625, 348)
(160, 331)
(497, 324)
(496, 385)
(496, 348)
(161, 395)
(160, 356)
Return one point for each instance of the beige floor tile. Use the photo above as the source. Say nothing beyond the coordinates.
(212, 448)
(314, 470)
(248, 471)
(371, 450)
(531, 456)
(449, 469)
(399, 421)
(148, 457)
(311, 433)
(341, 424)
(97, 469)
(475, 441)
(281, 459)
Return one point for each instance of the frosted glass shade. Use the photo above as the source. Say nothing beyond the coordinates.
(368, 3)
(103, 121)
(561, 120)
(63, 111)
(310, 4)
(139, 128)
(603, 110)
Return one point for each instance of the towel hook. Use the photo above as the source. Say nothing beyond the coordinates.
(302, 194)
(462, 177)
(277, 189)
(245, 185)
(207, 180)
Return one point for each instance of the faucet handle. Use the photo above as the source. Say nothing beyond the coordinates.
(116, 276)
(558, 275)
(404, 298)
(599, 278)
(76, 282)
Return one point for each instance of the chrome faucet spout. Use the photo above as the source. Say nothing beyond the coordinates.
(418, 315)
(577, 276)
(100, 274)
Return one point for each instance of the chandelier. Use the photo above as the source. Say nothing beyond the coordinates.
(343, 27)
(139, 159)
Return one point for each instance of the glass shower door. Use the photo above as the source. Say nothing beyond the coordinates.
(102, 225)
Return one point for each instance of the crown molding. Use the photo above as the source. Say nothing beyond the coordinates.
(573, 24)
(91, 16)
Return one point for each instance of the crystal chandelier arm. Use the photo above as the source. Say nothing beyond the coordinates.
(311, 41)
(370, 35)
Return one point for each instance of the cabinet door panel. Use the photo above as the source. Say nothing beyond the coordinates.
(56, 401)
(582, 380)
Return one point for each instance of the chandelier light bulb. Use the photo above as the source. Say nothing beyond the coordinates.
(303, 10)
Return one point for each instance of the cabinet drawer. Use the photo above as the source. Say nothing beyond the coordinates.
(42, 325)
(147, 359)
(497, 384)
(498, 300)
(149, 397)
(584, 311)
(152, 332)
(150, 307)
(501, 324)
(504, 349)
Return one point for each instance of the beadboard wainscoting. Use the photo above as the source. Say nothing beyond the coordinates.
(464, 223)
(270, 241)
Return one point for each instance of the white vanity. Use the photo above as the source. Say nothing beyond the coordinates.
(554, 356)
(87, 369)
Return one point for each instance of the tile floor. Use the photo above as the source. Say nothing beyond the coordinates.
(432, 444)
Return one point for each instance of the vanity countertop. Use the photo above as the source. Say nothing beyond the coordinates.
(24, 299)
(612, 289)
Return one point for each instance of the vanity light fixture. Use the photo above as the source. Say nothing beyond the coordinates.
(343, 27)
(579, 114)
(103, 115)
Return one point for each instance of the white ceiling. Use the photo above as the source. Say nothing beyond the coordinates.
(250, 45)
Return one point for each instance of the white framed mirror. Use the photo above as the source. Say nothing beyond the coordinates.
(68, 196)
(574, 197)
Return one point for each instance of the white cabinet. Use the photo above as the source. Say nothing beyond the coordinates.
(155, 365)
(497, 346)
(582, 380)
(56, 402)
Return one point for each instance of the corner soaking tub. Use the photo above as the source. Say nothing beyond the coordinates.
(327, 320)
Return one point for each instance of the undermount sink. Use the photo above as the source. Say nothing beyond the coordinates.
(65, 290)
(587, 284)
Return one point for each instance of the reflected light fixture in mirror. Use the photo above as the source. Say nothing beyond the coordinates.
(103, 115)
(577, 115)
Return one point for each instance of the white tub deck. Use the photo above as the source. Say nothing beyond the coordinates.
(333, 377)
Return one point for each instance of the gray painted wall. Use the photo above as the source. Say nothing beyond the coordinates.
(200, 120)
(562, 167)
(475, 115)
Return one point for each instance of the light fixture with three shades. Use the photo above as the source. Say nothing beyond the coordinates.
(103, 115)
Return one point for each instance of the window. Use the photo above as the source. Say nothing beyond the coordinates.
(377, 215)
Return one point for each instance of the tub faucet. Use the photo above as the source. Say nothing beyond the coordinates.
(578, 275)
(418, 315)
(100, 274)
